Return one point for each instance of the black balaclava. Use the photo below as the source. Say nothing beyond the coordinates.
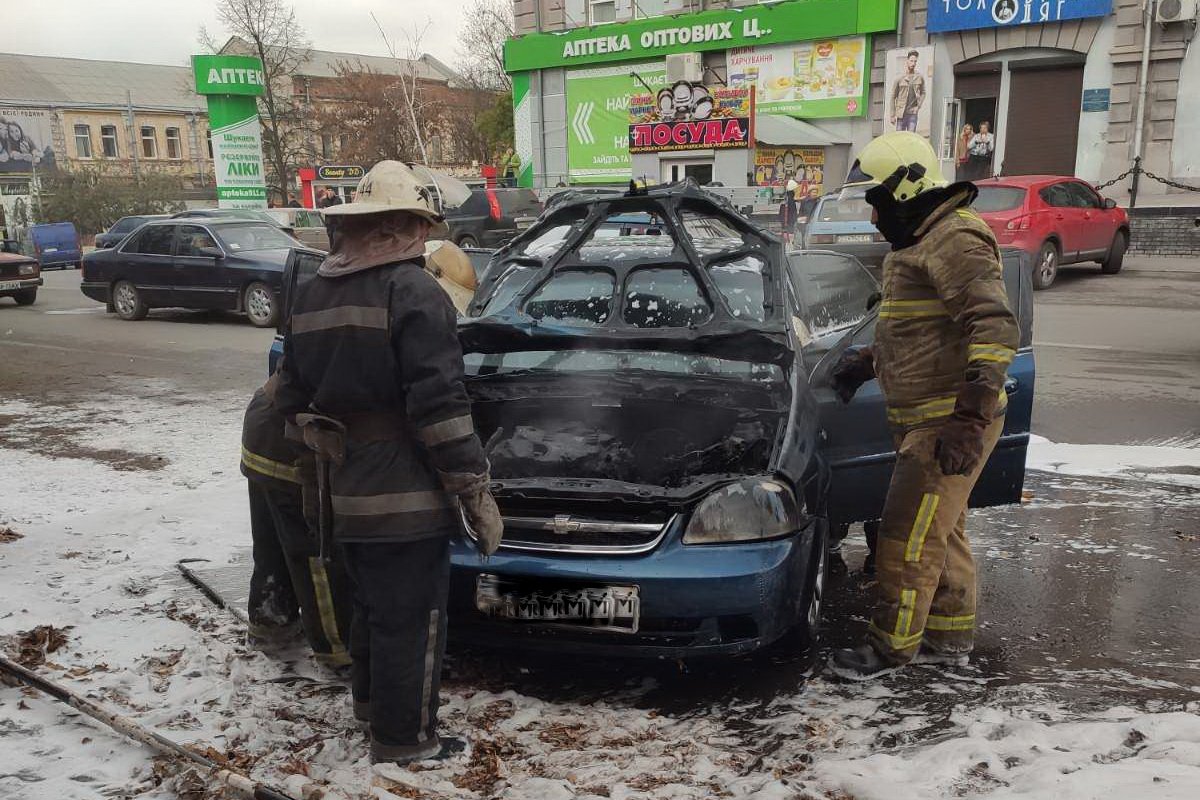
(898, 220)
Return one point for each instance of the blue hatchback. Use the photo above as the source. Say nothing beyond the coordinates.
(670, 461)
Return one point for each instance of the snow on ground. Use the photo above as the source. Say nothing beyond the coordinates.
(108, 494)
(1177, 463)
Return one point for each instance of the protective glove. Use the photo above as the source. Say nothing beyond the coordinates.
(854, 367)
(959, 446)
(483, 516)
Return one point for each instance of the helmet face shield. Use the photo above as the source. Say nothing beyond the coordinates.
(857, 177)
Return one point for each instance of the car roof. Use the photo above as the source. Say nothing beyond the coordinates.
(216, 222)
(1026, 181)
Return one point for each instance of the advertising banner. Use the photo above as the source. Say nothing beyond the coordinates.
(690, 116)
(232, 84)
(963, 15)
(774, 166)
(25, 140)
(908, 77)
(826, 78)
(719, 29)
(598, 119)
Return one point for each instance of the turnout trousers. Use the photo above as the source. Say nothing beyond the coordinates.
(925, 570)
(397, 642)
(290, 580)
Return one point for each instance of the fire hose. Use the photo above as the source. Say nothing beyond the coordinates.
(243, 784)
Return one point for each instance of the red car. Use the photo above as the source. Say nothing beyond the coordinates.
(1059, 220)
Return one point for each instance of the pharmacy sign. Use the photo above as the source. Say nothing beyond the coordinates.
(232, 85)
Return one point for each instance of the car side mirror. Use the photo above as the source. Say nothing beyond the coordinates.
(210, 252)
(873, 300)
(1109, 203)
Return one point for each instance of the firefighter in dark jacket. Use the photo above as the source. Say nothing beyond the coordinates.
(373, 381)
(943, 342)
(289, 578)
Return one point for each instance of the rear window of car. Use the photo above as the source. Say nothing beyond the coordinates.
(999, 198)
(853, 209)
(253, 236)
(126, 224)
(519, 202)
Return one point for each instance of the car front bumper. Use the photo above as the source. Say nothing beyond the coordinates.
(22, 285)
(694, 599)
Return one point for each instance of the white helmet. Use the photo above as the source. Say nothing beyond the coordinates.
(392, 186)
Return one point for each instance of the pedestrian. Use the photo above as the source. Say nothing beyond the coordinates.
(808, 205)
(980, 150)
(372, 379)
(962, 152)
(943, 342)
(908, 95)
(290, 586)
(788, 212)
(292, 202)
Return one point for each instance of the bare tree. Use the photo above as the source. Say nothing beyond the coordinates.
(417, 102)
(486, 25)
(271, 32)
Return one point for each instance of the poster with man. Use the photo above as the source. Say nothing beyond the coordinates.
(908, 79)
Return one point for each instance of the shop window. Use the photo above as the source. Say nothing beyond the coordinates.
(577, 297)
(174, 144)
(664, 298)
(108, 141)
(644, 9)
(601, 11)
(149, 142)
(83, 141)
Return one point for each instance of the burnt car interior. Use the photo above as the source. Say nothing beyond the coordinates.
(635, 345)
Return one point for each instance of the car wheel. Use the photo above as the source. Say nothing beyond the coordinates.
(127, 301)
(259, 303)
(1045, 267)
(25, 297)
(1116, 255)
(467, 240)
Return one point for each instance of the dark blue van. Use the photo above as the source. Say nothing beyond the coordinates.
(57, 245)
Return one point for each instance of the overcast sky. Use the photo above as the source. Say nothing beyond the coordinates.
(165, 31)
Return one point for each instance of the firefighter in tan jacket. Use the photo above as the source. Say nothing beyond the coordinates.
(943, 342)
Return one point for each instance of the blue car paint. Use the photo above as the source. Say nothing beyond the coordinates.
(56, 244)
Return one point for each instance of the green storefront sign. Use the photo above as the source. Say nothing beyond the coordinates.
(789, 21)
(598, 119)
(232, 85)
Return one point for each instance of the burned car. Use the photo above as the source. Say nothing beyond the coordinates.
(648, 373)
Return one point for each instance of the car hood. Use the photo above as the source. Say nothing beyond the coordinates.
(16, 258)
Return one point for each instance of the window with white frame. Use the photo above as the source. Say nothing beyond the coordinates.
(149, 142)
(109, 146)
(601, 11)
(83, 141)
(174, 144)
(644, 9)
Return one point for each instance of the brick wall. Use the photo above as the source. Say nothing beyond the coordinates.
(1170, 231)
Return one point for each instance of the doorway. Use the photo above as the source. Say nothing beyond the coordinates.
(978, 94)
(699, 171)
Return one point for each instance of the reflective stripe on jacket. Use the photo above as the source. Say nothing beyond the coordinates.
(267, 457)
(944, 318)
(384, 339)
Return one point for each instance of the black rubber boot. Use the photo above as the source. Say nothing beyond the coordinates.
(443, 748)
(860, 663)
(927, 655)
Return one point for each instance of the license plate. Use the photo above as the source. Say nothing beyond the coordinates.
(6, 285)
(50, 250)
(608, 608)
(855, 237)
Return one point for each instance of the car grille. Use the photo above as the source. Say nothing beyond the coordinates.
(592, 533)
(10, 271)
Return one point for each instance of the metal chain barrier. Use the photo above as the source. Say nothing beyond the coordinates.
(1137, 169)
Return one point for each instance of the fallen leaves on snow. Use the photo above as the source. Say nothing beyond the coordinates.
(33, 645)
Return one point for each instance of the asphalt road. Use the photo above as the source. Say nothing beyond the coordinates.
(1118, 357)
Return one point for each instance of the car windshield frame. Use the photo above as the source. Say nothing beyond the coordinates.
(285, 242)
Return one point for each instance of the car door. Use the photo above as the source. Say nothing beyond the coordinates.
(146, 261)
(301, 266)
(201, 279)
(858, 443)
(1095, 228)
(1066, 218)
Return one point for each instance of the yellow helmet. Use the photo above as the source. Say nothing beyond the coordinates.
(901, 161)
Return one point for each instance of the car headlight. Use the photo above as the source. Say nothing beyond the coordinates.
(27, 269)
(747, 511)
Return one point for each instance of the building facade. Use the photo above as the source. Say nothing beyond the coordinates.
(1050, 86)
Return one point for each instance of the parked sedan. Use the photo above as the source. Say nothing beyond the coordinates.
(122, 228)
(230, 264)
(20, 275)
(303, 223)
(1057, 220)
(844, 225)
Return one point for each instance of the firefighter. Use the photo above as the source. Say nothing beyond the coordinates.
(943, 342)
(372, 381)
(289, 579)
